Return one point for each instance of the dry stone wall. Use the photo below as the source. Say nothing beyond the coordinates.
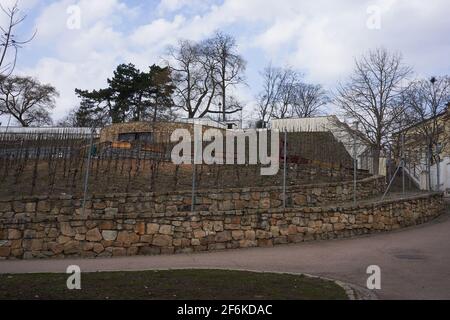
(120, 224)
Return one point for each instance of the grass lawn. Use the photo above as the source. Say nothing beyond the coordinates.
(172, 284)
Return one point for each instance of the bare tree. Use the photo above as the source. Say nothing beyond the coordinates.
(278, 95)
(25, 99)
(289, 82)
(309, 99)
(85, 115)
(268, 97)
(9, 44)
(426, 100)
(229, 69)
(284, 95)
(372, 96)
(193, 74)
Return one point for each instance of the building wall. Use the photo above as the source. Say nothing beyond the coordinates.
(444, 176)
(162, 130)
(111, 132)
(415, 148)
(319, 146)
(331, 124)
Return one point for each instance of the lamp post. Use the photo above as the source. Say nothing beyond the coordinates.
(284, 167)
(355, 162)
(430, 142)
(88, 165)
(438, 163)
(220, 110)
(403, 163)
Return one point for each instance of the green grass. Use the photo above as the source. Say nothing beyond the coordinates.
(170, 285)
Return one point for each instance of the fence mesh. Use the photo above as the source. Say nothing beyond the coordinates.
(56, 162)
(38, 163)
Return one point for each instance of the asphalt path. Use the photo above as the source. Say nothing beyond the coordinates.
(414, 262)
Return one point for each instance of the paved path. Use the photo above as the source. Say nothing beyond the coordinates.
(415, 262)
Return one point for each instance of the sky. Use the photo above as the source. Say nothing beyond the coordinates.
(79, 43)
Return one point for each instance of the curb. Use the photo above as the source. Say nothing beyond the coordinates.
(352, 291)
(355, 292)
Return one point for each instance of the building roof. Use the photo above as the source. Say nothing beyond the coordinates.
(46, 130)
(332, 124)
(445, 112)
(316, 124)
(203, 121)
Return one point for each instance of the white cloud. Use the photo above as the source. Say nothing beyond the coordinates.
(167, 6)
(66, 76)
(81, 58)
(281, 33)
(318, 37)
(22, 4)
(159, 33)
(52, 23)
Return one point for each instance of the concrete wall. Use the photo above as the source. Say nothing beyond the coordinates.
(444, 176)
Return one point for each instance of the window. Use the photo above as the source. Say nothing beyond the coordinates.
(127, 137)
(145, 136)
(136, 136)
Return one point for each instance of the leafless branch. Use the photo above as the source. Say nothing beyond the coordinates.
(372, 96)
(9, 44)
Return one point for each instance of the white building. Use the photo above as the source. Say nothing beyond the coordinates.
(340, 131)
(17, 132)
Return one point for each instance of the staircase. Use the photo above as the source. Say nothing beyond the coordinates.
(415, 175)
(419, 175)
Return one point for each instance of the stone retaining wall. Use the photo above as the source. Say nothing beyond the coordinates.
(269, 197)
(205, 200)
(119, 225)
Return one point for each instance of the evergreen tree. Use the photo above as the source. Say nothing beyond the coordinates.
(131, 95)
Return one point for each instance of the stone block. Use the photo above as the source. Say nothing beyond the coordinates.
(14, 234)
(166, 229)
(250, 235)
(237, 234)
(109, 235)
(223, 236)
(94, 235)
(161, 240)
(72, 247)
(127, 237)
(152, 228)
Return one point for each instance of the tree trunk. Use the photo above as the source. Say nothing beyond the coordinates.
(376, 160)
(155, 114)
(429, 160)
(22, 122)
(224, 70)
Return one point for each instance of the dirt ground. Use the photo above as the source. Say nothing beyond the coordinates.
(132, 175)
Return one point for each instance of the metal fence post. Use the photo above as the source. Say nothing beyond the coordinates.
(194, 174)
(355, 163)
(392, 180)
(429, 155)
(284, 168)
(403, 164)
(86, 178)
(438, 164)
